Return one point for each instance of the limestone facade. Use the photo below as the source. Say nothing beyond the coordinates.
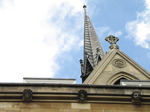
(65, 98)
(69, 107)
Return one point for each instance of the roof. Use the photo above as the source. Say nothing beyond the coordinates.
(93, 51)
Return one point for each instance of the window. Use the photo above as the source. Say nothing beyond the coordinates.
(119, 80)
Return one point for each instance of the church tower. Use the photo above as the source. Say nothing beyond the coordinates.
(106, 69)
(93, 51)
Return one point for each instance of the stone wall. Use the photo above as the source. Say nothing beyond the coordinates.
(66, 98)
(70, 107)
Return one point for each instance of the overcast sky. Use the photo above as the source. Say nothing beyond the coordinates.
(44, 38)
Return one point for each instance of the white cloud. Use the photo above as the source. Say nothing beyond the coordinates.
(106, 31)
(33, 34)
(139, 29)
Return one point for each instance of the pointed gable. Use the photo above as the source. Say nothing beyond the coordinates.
(115, 66)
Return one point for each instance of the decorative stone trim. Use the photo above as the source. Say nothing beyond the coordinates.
(97, 94)
(27, 95)
(119, 63)
(136, 98)
(82, 95)
(112, 40)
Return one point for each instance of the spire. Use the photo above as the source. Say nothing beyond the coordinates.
(93, 51)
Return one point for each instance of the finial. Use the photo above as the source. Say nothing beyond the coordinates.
(81, 61)
(84, 6)
(112, 40)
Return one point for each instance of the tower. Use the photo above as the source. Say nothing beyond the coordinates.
(93, 51)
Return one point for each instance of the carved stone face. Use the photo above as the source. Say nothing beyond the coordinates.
(27, 95)
(82, 95)
(136, 95)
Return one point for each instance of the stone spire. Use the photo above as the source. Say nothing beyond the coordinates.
(93, 51)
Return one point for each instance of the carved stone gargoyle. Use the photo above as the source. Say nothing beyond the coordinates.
(136, 98)
(27, 95)
(82, 95)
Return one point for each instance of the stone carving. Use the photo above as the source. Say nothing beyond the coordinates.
(27, 95)
(82, 95)
(112, 40)
(136, 98)
(119, 63)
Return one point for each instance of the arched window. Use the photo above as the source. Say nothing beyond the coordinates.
(116, 78)
(119, 80)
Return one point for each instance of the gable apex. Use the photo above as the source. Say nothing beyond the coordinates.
(116, 63)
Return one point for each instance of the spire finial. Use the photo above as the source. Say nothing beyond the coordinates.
(84, 6)
(112, 40)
